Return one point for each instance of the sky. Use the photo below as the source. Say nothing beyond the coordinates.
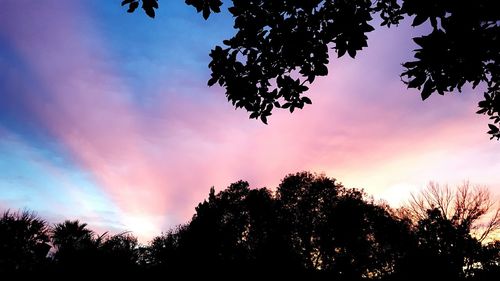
(106, 117)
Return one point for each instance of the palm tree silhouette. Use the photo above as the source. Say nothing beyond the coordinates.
(75, 245)
(24, 241)
(71, 235)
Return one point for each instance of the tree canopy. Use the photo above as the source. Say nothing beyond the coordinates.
(280, 47)
(469, 207)
(310, 226)
(24, 239)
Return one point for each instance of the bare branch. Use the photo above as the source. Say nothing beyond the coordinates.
(467, 206)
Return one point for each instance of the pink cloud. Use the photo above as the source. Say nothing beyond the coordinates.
(364, 127)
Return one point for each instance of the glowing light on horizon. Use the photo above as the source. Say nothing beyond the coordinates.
(142, 226)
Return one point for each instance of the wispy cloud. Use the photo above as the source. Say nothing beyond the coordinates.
(155, 157)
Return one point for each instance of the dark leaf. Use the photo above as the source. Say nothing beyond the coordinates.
(428, 89)
(264, 119)
(125, 2)
(233, 11)
(352, 52)
(434, 22)
(482, 111)
(417, 81)
(410, 64)
(212, 81)
(493, 129)
(483, 103)
(215, 5)
(369, 28)
(321, 70)
(306, 100)
(132, 7)
(150, 11)
(419, 19)
(419, 41)
(206, 12)
(341, 52)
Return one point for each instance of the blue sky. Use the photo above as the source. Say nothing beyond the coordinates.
(105, 116)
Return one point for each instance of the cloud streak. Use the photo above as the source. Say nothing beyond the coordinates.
(155, 157)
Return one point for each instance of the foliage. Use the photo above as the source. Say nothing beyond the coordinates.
(311, 226)
(24, 241)
(75, 245)
(77, 248)
(119, 252)
(463, 47)
(148, 6)
(281, 47)
(490, 262)
(467, 207)
(336, 230)
(446, 248)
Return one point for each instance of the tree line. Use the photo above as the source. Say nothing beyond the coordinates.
(310, 226)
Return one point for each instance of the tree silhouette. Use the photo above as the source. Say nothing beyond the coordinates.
(490, 263)
(233, 231)
(71, 235)
(449, 227)
(163, 253)
(303, 200)
(75, 244)
(78, 248)
(24, 241)
(310, 226)
(280, 47)
(268, 250)
(337, 231)
(118, 254)
(467, 207)
(221, 236)
(446, 249)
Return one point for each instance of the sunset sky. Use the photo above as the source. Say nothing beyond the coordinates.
(106, 117)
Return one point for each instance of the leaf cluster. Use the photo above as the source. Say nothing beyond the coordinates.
(281, 47)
